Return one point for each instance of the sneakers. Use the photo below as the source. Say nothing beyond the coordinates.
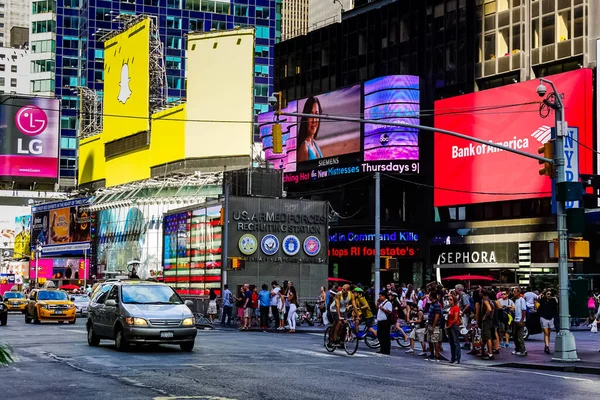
(410, 351)
(546, 350)
(421, 354)
(519, 353)
(488, 357)
(467, 346)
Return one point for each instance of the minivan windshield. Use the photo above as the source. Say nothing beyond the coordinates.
(149, 294)
(14, 295)
(44, 295)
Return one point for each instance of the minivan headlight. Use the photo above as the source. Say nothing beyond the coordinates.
(136, 321)
(189, 322)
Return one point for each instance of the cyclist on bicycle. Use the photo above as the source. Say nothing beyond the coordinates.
(365, 311)
(398, 314)
(342, 309)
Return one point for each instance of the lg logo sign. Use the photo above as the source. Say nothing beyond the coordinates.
(31, 121)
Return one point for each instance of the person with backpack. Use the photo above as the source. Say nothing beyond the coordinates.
(487, 327)
(466, 306)
(505, 318)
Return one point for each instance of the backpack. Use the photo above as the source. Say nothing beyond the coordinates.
(471, 304)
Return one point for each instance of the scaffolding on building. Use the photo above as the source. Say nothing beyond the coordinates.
(90, 112)
(157, 68)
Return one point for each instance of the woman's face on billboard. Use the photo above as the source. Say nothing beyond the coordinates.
(313, 123)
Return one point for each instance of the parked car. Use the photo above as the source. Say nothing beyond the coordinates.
(81, 302)
(139, 312)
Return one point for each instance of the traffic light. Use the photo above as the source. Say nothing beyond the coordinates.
(237, 264)
(277, 139)
(222, 216)
(547, 151)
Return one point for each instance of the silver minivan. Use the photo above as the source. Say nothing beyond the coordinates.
(139, 312)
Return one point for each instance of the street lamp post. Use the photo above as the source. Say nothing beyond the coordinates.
(565, 349)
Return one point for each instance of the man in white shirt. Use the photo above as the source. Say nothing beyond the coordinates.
(384, 310)
(519, 323)
(530, 297)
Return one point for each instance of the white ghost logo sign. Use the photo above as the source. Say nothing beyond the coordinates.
(125, 91)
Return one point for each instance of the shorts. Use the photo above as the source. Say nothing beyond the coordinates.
(465, 320)
(503, 328)
(487, 331)
(240, 312)
(547, 323)
(370, 322)
(418, 335)
(435, 336)
(248, 312)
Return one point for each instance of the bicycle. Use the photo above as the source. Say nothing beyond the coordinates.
(397, 336)
(350, 342)
(370, 339)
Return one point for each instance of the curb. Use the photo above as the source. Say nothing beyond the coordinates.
(552, 367)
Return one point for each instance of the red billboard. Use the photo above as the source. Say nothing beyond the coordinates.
(466, 172)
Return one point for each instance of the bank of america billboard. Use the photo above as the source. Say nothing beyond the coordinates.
(29, 138)
(466, 172)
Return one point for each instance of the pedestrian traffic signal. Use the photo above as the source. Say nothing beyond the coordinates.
(236, 264)
(222, 216)
(277, 139)
(547, 151)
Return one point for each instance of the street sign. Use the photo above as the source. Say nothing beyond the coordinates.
(571, 157)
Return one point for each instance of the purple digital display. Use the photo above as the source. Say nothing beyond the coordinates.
(391, 99)
(286, 160)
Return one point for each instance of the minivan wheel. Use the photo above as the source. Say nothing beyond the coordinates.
(120, 341)
(93, 340)
(187, 347)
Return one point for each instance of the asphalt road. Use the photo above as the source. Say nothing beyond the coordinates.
(55, 362)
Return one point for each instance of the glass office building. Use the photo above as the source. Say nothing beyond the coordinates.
(67, 54)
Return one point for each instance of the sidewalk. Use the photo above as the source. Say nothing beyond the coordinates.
(588, 345)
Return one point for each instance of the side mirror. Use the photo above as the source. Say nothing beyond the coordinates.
(72, 298)
(110, 303)
(189, 303)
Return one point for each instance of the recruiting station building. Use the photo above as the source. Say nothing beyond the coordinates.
(270, 238)
(494, 212)
(340, 167)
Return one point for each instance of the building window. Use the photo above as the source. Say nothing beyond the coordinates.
(262, 12)
(70, 42)
(262, 32)
(13, 82)
(2, 67)
(548, 30)
(42, 66)
(196, 25)
(98, 54)
(261, 51)
(43, 26)
(72, 3)
(153, 3)
(68, 163)
(2, 81)
(13, 68)
(44, 6)
(68, 143)
(42, 85)
(173, 62)
(261, 70)
(490, 46)
(261, 90)
(70, 102)
(68, 122)
(173, 82)
(222, 8)
(240, 10)
(174, 42)
(174, 3)
(173, 22)
(43, 46)
(218, 25)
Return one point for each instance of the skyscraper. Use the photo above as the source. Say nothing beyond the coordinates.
(12, 13)
(67, 52)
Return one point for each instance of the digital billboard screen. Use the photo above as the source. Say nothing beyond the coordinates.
(320, 138)
(286, 160)
(466, 172)
(392, 99)
(61, 227)
(29, 138)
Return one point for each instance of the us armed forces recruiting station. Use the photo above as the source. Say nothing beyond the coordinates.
(278, 222)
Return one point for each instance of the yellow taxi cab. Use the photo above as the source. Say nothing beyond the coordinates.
(15, 301)
(49, 304)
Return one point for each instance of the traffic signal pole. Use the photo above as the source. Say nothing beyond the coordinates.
(565, 349)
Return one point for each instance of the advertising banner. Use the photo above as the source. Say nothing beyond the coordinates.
(22, 236)
(480, 254)
(10, 224)
(29, 138)
(315, 149)
(466, 172)
(61, 227)
(61, 268)
(361, 243)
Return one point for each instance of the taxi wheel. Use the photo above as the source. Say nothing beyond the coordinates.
(72, 322)
(61, 322)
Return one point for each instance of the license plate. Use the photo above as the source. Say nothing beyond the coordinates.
(166, 334)
(57, 312)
